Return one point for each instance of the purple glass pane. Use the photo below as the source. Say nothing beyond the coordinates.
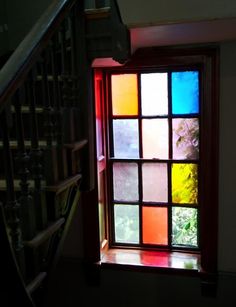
(125, 181)
(125, 133)
(155, 182)
(185, 138)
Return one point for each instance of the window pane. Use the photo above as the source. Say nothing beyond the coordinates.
(154, 94)
(185, 92)
(126, 143)
(155, 138)
(124, 94)
(184, 183)
(125, 181)
(184, 226)
(155, 182)
(155, 225)
(126, 223)
(185, 138)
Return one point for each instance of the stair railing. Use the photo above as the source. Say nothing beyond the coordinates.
(39, 140)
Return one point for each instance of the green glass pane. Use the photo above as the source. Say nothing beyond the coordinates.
(184, 183)
(126, 223)
(184, 226)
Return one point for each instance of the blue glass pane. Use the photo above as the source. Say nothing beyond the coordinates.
(185, 92)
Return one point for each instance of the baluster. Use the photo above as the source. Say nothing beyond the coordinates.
(26, 201)
(61, 154)
(36, 156)
(50, 156)
(12, 206)
(68, 125)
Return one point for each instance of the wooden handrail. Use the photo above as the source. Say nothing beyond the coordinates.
(13, 72)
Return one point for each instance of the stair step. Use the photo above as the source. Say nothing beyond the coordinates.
(36, 282)
(97, 13)
(26, 109)
(42, 144)
(62, 185)
(45, 234)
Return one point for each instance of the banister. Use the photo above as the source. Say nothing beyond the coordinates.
(13, 72)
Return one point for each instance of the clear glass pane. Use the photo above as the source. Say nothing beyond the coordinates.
(155, 182)
(184, 183)
(124, 94)
(154, 94)
(155, 223)
(155, 138)
(126, 142)
(185, 92)
(126, 223)
(184, 226)
(125, 181)
(185, 138)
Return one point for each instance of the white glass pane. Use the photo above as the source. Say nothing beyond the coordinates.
(155, 138)
(154, 94)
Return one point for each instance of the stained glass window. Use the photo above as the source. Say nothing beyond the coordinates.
(154, 156)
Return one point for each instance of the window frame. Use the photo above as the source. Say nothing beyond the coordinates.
(206, 59)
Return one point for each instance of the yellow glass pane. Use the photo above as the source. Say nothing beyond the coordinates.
(124, 94)
(184, 183)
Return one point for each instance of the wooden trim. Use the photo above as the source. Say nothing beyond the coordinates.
(36, 282)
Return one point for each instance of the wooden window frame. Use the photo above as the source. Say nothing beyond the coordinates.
(206, 58)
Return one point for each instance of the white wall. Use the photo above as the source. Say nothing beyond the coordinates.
(139, 12)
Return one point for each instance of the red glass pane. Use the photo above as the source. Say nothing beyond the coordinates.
(155, 224)
(124, 94)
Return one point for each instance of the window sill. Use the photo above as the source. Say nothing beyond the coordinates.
(156, 261)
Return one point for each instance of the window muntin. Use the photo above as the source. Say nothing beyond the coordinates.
(157, 203)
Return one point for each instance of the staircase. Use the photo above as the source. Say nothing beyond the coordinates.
(46, 140)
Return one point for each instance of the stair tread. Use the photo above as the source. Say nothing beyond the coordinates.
(45, 234)
(97, 13)
(63, 184)
(36, 282)
(77, 145)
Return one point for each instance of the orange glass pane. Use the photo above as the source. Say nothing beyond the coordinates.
(155, 224)
(124, 94)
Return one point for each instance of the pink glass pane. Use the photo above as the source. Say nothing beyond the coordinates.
(155, 138)
(155, 182)
(125, 181)
(185, 138)
(154, 94)
(155, 224)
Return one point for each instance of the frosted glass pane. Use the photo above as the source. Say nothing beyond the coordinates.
(184, 226)
(185, 92)
(124, 94)
(154, 94)
(125, 181)
(125, 134)
(155, 138)
(184, 183)
(155, 182)
(126, 223)
(185, 138)
(155, 225)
